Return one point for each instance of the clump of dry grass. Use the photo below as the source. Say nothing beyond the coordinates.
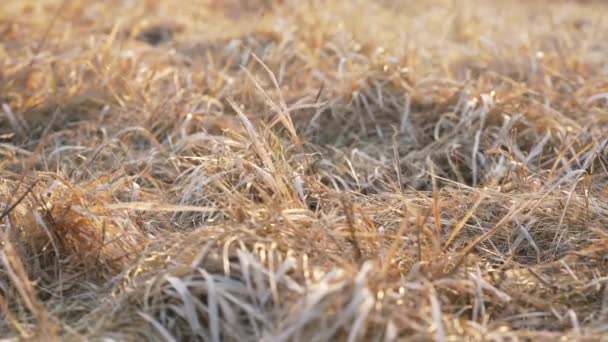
(351, 170)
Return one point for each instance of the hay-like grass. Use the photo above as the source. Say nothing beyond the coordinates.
(303, 170)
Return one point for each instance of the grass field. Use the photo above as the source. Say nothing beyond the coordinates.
(319, 170)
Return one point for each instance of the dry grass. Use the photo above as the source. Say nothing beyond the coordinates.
(303, 170)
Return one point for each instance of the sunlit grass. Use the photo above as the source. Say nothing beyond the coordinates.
(303, 170)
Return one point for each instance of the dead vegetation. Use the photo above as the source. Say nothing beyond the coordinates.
(303, 170)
